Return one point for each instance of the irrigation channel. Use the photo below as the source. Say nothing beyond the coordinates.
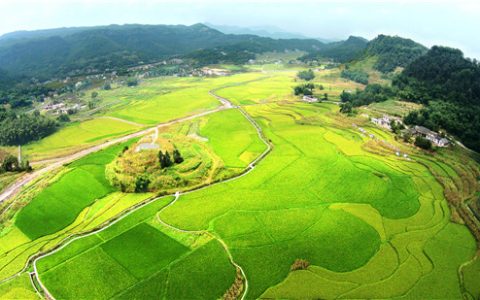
(226, 104)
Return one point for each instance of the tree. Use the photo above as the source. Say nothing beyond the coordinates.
(346, 97)
(168, 160)
(177, 157)
(91, 105)
(164, 159)
(63, 118)
(161, 159)
(132, 81)
(107, 86)
(407, 136)
(10, 164)
(141, 184)
(346, 108)
(304, 89)
(423, 143)
(94, 95)
(325, 96)
(306, 75)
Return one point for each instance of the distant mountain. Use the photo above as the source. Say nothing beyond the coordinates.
(342, 51)
(42, 33)
(393, 52)
(264, 31)
(69, 51)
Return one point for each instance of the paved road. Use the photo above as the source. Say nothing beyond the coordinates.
(16, 187)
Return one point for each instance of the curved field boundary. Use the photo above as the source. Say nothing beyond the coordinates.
(69, 239)
(15, 188)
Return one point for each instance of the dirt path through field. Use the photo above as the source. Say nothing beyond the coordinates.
(249, 168)
(17, 186)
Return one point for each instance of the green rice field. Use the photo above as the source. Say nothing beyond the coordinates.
(370, 223)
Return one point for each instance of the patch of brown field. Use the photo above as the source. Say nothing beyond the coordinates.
(300, 264)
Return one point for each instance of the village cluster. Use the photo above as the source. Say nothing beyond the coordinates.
(385, 121)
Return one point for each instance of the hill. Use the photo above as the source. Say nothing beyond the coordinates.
(342, 51)
(61, 52)
(393, 52)
(449, 84)
(389, 52)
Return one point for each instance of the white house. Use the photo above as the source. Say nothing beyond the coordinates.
(309, 99)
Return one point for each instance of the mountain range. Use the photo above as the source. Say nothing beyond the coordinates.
(56, 53)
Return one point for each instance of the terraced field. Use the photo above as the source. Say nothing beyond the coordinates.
(180, 97)
(124, 110)
(369, 223)
(80, 199)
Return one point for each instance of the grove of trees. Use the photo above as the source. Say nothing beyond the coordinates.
(23, 128)
(371, 93)
(355, 75)
(306, 75)
(304, 89)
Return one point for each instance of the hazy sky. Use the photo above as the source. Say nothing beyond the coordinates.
(447, 22)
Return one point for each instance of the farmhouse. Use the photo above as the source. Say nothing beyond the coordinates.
(147, 146)
(430, 135)
(215, 72)
(385, 121)
(309, 99)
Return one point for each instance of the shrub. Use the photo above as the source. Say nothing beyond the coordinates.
(132, 81)
(300, 264)
(423, 143)
(141, 184)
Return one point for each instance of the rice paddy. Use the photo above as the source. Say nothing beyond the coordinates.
(369, 223)
(79, 135)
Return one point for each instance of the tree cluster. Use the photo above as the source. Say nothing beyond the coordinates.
(306, 75)
(166, 160)
(342, 52)
(423, 143)
(304, 89)
(449, 86)
(10, 163)
(141, 184)
(355, 75)
(23, 128)
(371, 93)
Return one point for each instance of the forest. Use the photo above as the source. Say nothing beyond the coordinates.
(449, 85)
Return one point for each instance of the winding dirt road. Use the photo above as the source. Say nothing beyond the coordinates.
(226, 104)
(17, 186)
